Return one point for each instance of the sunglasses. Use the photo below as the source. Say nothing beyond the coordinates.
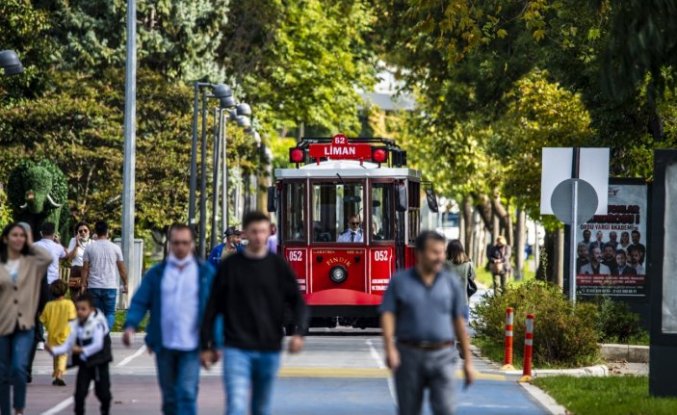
(83, 230)
(355, 223)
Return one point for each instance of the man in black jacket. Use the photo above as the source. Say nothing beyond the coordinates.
(252, 290)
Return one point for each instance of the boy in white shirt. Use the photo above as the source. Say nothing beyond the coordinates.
(89, 343)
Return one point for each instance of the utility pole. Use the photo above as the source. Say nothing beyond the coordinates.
(129, 170)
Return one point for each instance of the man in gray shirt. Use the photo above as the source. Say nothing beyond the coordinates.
(422, 318)
(102, 261)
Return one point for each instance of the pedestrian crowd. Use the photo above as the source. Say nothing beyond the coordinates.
(231, 307)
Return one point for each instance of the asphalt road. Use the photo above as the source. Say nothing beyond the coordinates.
(338, 373)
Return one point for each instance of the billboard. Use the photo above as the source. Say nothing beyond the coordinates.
(611, 248)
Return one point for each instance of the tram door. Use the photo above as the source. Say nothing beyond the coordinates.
(338, 246)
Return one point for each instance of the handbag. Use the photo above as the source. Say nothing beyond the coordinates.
(497, 268)
(472, 285)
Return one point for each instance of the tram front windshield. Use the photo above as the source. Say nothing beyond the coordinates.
(338, 212)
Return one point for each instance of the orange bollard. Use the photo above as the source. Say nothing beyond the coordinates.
(507, 359)
(528, 348)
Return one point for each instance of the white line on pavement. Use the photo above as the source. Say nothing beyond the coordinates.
(132, 357)
(68, 402)
(381, 365)
(59, 407)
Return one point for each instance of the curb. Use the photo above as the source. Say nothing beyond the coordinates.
(545, 400)
(590, 371)
(625, 352)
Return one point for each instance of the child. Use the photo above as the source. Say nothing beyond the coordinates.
(56, 317)
(89, 342)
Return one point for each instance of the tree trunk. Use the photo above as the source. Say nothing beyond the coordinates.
(546, 267)
(503, 214)
(486, 212)
(467, 213)
(521, 242)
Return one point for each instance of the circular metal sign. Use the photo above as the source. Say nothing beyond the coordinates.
(561, 201)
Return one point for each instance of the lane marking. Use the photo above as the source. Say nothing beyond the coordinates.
(68, 402)
(60, 406)
(128, 359)
(380, 362)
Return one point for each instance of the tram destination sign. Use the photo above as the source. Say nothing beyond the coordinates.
(340, 149)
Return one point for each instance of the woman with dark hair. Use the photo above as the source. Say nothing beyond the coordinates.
(22, 268)
(460, 264)
(76, 250)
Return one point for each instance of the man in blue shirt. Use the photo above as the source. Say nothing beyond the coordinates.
(175, 292)
(230, 245)
(422, 319)
(354, 232)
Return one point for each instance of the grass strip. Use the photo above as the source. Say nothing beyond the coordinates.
(616, 395)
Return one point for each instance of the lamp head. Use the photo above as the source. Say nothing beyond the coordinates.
(9, 58)
(222, 91)
(244, 121)
(244, 109)
(227, 102)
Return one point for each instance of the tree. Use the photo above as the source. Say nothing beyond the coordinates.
(177, 38)
(301, 62)
(78, 125)
(24, 29)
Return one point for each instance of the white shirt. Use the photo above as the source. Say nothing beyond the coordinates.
(95, 328)
(347, 236)
(79, 251)
(103, 256)
(12, 268)
(57, 252)
(180, 304)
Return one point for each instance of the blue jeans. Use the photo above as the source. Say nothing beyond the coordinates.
(245, 371)
(14, 351)
(104, 300)
(178, 374)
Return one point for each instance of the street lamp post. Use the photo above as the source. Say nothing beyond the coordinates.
(203, 179)
(129, 163)
(216, 157)
(10, 63)
(220, 92)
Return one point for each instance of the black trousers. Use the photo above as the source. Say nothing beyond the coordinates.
(101, 376)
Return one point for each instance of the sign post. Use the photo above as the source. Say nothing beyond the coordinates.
(574, 187)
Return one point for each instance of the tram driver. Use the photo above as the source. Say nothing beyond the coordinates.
(354, 232)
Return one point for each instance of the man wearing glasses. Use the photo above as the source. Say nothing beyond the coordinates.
(354, 232)
(175, 292)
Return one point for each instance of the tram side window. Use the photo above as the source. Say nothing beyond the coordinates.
(295, 213)
(337, 213)
(382, 211)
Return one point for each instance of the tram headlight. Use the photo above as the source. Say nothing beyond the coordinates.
(379, 155)
(338, 274)
(297, 155)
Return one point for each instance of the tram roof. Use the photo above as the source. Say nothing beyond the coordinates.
(347, 169)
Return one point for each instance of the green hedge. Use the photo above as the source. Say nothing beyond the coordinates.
(564, 336)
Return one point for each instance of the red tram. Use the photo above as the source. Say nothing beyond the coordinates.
(348, 214)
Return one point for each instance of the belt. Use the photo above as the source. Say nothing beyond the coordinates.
(423, 345)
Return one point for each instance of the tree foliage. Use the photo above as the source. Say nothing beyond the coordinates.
(301, 61)
(177, 38)
(498, 80)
